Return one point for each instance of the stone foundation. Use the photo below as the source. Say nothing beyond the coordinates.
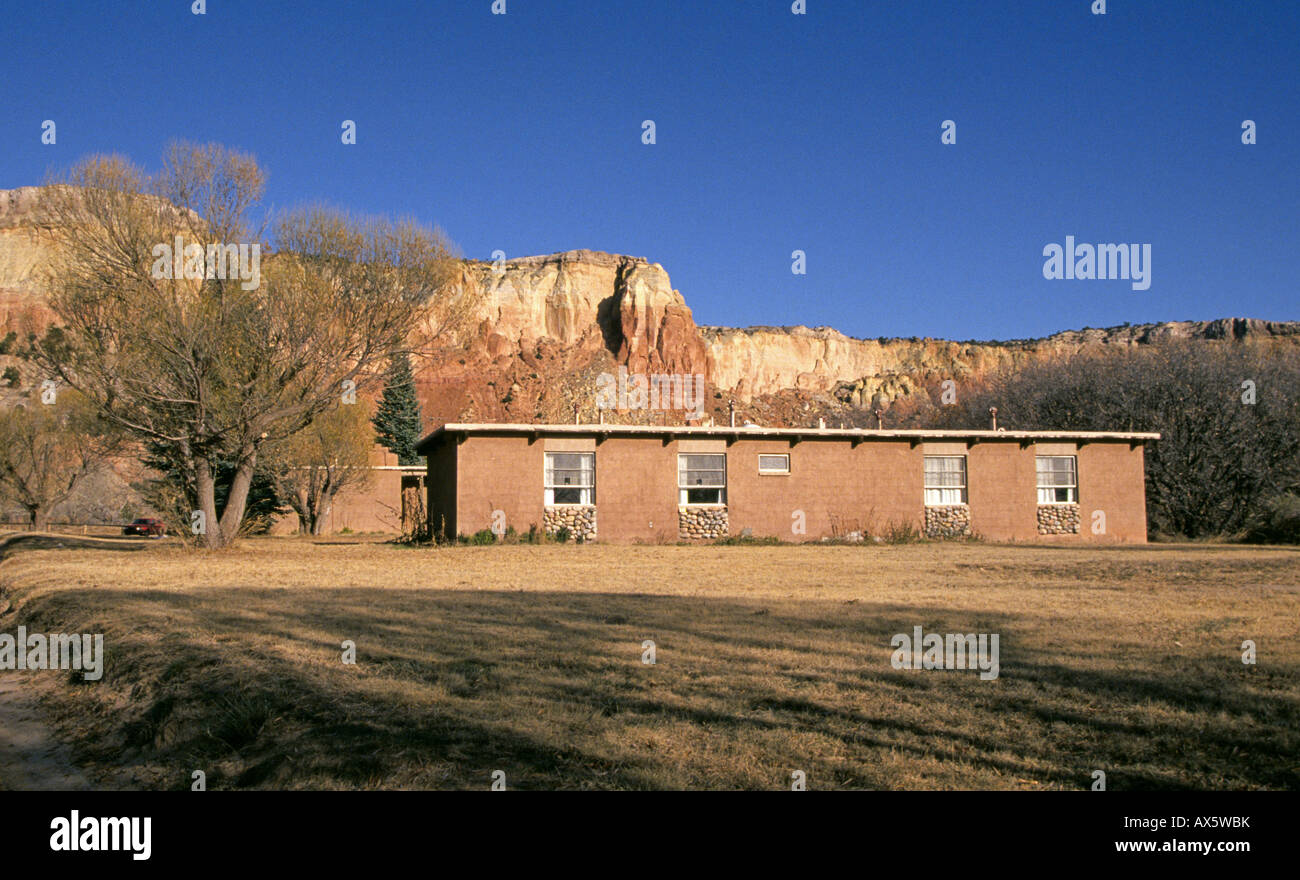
(948, 521)
(1058, 519)
(580, 520)
(701, 523)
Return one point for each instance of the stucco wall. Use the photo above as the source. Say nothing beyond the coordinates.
(833, 486)
(374, 507)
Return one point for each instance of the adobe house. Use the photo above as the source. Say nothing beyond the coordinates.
(384, 504)
(624, 483)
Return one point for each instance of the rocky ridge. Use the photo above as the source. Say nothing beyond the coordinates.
(546, 327)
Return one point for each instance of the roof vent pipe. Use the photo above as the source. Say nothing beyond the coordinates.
(821, 424)
(880, 419)
(993, 417)
(731, 406)
(575, 414)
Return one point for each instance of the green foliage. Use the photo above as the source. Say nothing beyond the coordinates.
(11, 377)
(173, 492)
(397, 420)
(7, 344)
(562, 534)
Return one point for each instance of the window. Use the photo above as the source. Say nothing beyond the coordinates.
(570, 478)
(774, 464)
(945, 480)
(1058, 480)
(702, 479)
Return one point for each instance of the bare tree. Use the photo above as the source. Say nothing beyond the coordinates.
(1228, 415)
(213, 365)
(47, 450)
(310, 468)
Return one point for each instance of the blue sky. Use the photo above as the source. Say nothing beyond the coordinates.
(775, 132)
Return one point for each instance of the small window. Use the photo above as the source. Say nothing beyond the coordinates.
(702, 479)
(1058, 479)
(945, 480)
(570, 478)
(774, 464)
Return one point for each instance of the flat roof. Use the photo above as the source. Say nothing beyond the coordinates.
(755, 431)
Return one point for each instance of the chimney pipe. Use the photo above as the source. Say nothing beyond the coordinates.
(993, 416)
(880, 418)
(821, 424)
(731, 406)
(575, 414)
(602, 416)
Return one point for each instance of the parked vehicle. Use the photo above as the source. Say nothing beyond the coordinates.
(147, 527)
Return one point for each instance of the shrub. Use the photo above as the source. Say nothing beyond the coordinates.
(1277, 522)
(900, 533)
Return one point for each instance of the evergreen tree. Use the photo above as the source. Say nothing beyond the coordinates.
(397, 420)
(174, 495)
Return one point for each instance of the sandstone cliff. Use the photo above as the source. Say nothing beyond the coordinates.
(763, 360)
(25, 248)
(545, 327)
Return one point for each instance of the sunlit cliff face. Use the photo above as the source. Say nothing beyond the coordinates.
(546, 327)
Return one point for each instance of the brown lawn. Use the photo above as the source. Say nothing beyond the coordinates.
(770, 659)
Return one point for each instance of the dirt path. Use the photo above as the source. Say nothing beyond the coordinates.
(18, 541)
(31, 757)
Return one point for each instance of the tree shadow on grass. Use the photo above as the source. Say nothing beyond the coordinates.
(550, 688)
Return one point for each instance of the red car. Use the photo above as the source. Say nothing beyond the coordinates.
(147, 527)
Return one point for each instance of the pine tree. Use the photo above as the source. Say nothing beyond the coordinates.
(172, 492)
(397, 420)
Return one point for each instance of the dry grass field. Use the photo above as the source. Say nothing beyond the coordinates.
(770, 659)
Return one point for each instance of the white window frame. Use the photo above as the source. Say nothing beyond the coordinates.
(684, 489)
(942, 495)
(586, 493)
(1047, 493)
(783, 469)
